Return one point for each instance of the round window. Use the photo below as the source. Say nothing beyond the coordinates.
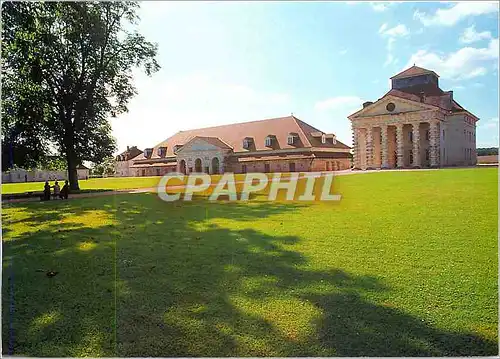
(390, 107)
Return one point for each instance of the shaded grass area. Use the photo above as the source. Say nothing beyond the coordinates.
(405, 264)
(110, 183)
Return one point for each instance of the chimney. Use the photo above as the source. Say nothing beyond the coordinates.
(367, 103)
(422, 97)
(128, 148)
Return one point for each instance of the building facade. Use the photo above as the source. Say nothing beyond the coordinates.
(414, 125)
(123, 161)
(284, 144)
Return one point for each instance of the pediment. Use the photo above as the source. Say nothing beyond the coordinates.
(400, 106)
(198, 144)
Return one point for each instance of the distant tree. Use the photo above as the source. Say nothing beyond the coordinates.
(68, 68)
(487, 151)
(54, 163)
(106, 167)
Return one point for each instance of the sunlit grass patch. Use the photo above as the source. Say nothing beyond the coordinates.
(404, 265)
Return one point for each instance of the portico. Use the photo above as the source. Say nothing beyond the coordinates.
(396, 143)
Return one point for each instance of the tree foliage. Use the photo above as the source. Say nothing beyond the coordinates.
(68, 68)
(487, 151)
(106, 167)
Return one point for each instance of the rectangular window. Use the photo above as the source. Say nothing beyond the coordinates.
(427, 154)
(427, 137)
(143, 173)
(158, 172)
(411, 156)
(267, 168)
(190, 169)
(410, 136)
(269, 141)
(291, 140)
(292, 167)
(243, 168)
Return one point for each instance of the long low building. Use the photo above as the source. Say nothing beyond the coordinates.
(284, 144)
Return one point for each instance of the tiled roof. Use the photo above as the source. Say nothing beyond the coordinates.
(130, 153)
(413, 71)
(444, 101)
(233, 135)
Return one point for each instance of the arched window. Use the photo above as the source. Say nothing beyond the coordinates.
(215, 165)
(197, 166)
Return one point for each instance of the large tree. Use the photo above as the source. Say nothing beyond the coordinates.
(69, 66)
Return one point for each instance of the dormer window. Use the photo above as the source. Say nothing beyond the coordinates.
(292, 137)
(162, 151)
(269, 141)
(323, 138)
(177, 148)
(334, 140)
(247, 142)
(148, 152)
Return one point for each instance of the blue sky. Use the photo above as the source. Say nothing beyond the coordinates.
(225, 62)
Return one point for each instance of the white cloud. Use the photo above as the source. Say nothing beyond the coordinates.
(379, 6)
(452, 15)
(399, 30)
(487, 133)
(164, 106)
(339, 102)
(470, 35)
(491, 125)
(391, 34)
(466, 63)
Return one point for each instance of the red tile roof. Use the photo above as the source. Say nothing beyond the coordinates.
(130, 153)
(234, 134)
(444, 101)
(413, 71)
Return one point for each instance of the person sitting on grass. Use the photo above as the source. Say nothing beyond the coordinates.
(46, 191)
(64, 191)
(57, 190)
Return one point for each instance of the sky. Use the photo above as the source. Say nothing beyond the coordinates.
(227, 62)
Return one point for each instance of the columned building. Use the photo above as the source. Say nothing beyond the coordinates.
(415, 124)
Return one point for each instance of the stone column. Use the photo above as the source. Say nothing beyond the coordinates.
(416, 144)
(369, 148)
(385, 157)
(355, 148)
(399, 144)
(434, 143)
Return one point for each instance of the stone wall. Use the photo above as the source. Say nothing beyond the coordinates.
(21, 175)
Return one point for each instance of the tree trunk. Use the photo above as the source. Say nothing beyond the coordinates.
(72, 172)
(71, 157)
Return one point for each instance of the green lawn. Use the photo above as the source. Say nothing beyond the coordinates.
(93, 183)
(405, 265)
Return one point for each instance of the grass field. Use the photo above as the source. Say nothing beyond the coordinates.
(405, 265)
(93, 183)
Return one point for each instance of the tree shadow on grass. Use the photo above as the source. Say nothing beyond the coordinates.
(169, 279)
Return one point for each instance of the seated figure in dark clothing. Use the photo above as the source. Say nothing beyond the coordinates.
(64, 191)
(46, 191)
